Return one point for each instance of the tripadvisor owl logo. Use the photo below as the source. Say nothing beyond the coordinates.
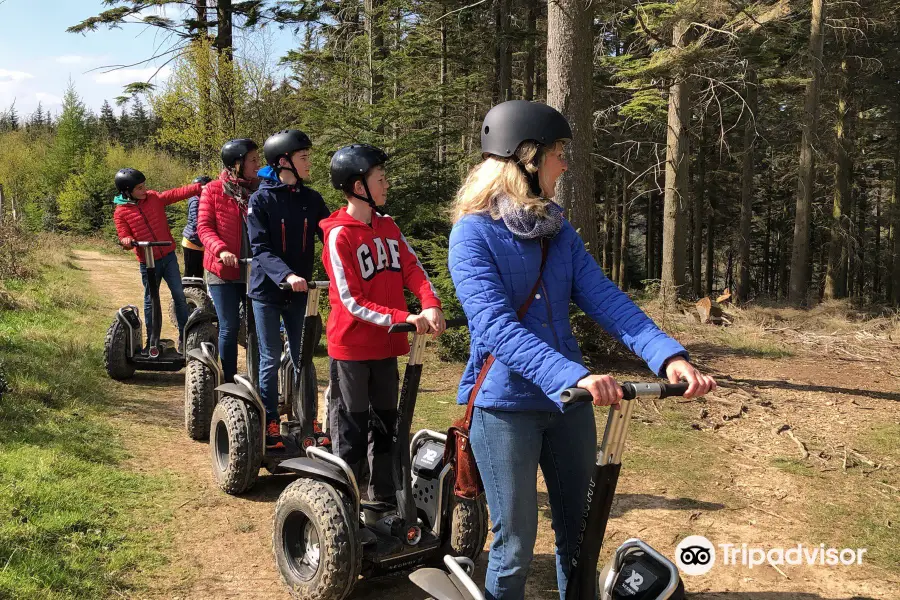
(695, 555)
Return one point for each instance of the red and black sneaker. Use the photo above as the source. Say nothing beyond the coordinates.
(273, 436)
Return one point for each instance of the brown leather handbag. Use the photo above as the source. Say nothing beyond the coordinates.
(458, 451)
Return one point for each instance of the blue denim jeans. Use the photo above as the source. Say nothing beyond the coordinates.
(227, 299)
(509, 446)
(268, 331)
(166, 268)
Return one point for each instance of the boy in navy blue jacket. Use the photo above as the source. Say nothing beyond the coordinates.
(283, 220)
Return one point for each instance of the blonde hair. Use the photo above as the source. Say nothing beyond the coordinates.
(494, 177)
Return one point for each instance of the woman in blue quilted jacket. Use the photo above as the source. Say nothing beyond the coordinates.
(504, 218)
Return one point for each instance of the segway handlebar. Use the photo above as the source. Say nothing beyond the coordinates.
(149, 244)
(630, 391)
(309, 284)
(410, 328)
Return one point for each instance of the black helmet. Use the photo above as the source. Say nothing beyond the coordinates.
(352, 162)
(128, 179)
(283, 144)
(203, 179)
(510, 123)
(236, 150)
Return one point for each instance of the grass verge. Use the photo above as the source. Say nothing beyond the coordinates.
(72, 517)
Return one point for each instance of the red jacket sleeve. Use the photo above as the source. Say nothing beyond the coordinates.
(122, 228)
(178, 194)
(206, 224)
(414, 276)
(342, 269)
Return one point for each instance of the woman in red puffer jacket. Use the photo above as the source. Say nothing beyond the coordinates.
(222, 227)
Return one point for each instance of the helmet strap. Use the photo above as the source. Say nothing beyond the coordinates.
(534, 182)
(368, 197)
(292, 168)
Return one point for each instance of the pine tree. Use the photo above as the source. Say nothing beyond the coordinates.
(109, 126)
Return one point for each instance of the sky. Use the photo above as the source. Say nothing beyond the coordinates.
(38, 57)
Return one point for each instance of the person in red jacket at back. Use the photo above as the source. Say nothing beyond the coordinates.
(140, 216)
(369, 262)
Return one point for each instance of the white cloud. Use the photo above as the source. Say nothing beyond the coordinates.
(123, 76)
(71, 59)
(7, 76)
(47, 99)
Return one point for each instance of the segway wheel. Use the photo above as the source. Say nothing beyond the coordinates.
(115, 355)
(235, 445)
(196, 298)
(202, 332)
(307, 398)
(468, 527)
(315, 544)
(199, 399)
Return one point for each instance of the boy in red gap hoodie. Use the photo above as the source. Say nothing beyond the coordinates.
(369, 262)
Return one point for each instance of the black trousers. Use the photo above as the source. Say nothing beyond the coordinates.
(362, 412)
(193, 262)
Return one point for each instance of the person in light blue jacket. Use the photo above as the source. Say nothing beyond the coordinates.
(503, 215)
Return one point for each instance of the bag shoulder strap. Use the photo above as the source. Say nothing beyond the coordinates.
(482, 375)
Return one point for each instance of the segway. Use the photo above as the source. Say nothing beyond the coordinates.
(237, 428)
(636, 570)
(204, 374)
(325, 535)
(196, 295)
(124, 353)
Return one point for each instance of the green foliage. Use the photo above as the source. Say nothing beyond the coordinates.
(71, 513)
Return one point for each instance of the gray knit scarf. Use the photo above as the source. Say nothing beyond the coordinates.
(526, 224)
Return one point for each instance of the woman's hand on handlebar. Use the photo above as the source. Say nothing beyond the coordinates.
(298, 284)
(228, 259)
(436, 322)
(604, 388)
(127, 242)
(679, 369)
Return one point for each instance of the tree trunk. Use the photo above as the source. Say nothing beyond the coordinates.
(700, 195)
(617, 235)
(862, 209)
(894, 275)
(203, 80)
(806, 182)
(569, 90)
(876, 281)
(767, 254)
(442, 131)
(648, 259)
(710, 247)
(531, 10)
(375, 33)
(836, 273)
(623, 236)
(677, 181)
(502, 51)
(742, 289)
(609, 228)
(225, 48)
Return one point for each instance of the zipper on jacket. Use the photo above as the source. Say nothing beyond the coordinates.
(304, 233)
(283, 238)
(549, 314)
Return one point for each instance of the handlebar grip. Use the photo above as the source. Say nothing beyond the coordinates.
(457, 322)
(312, 285)
(630, 391)
(150, 244)
(410, 328)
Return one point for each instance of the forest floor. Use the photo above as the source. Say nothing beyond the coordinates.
(715, 467)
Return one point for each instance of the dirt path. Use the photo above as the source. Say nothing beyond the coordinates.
(220, 546)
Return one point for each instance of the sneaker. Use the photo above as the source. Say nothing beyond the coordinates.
(273, 436)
